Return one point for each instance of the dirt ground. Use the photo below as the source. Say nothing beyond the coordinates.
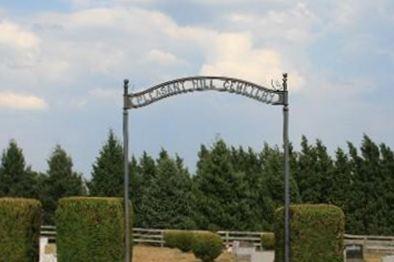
(372, 257)
(162, 254)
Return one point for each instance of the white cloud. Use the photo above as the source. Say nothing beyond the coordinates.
(294, 24)
(105, 41)
(77, 103)
(79, 49)
(82, 4)
(112, 42)
(13, 35)
(235, 2)
(106, 94)
(162, 57)
(234, 55)
(12, 100)
(351, 12)
(18, 47)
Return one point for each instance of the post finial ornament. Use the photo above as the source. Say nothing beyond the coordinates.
(284, 85)
(126, 86)
(284, 81)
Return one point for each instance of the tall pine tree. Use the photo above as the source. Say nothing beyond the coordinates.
(356, 195)
(16, 180)
(305, 175)
(387, 165)
(373, 180)
(253, 207)
(172, 194)
(61, 181)
(314, 172)
(135, 184)
(145, 200)
(342, 180)
(273, 179)
(165, 199)
(216, 189)
(324, 171)
(107, 176)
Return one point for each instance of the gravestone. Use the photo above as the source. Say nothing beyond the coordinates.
(243, 251)
(47, 250)
(388, 258)
(354, 252)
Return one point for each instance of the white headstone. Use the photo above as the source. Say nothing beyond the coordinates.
(388, 258)
(43, 256)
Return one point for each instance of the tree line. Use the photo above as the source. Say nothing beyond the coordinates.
(233, 188)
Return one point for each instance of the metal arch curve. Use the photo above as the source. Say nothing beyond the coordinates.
(205, 83)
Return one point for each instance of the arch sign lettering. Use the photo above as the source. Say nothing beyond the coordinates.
(276, 95)
(200, 83)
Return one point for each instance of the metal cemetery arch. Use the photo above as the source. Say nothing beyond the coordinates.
(207, 83)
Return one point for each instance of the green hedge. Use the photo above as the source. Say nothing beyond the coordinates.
(316, 233)
(268, 241)
(90, 229)
(206, 245)
(20, 221)
(180, 239)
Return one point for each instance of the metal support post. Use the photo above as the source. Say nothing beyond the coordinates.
(286, 168)
(126, 170)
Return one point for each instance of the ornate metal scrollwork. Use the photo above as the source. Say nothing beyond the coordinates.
(276, 85)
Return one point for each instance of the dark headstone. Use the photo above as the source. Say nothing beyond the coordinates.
(354, 251)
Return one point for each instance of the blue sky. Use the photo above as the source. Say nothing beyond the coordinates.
(62, 64)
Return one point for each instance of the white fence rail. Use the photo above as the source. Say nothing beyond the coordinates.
(241, 236)
(378, 244)
(148, 236)
(373, 244)
(48, 232)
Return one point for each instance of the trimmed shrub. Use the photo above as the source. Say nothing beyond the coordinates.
(316, 233)
(207, 245)
(90, 229)
(180, 239)
(20, 221)
(268, 241)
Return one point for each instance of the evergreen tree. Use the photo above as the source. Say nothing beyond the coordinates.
(324, 171)
(373, 186)
(254, 202)
(254, 207)
(108, 175)
(172, 194)
(354, 216)
(37, 180)
(61, 181)
(165, 199)
(314, 172)
(144, 205)
(216, 189)
(342, 180)
(367, 207)
(305, 176)
(15, 179)
(387, 165)
(135, 185)
(273, 178)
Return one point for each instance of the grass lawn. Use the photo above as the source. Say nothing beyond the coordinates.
(163, 254)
